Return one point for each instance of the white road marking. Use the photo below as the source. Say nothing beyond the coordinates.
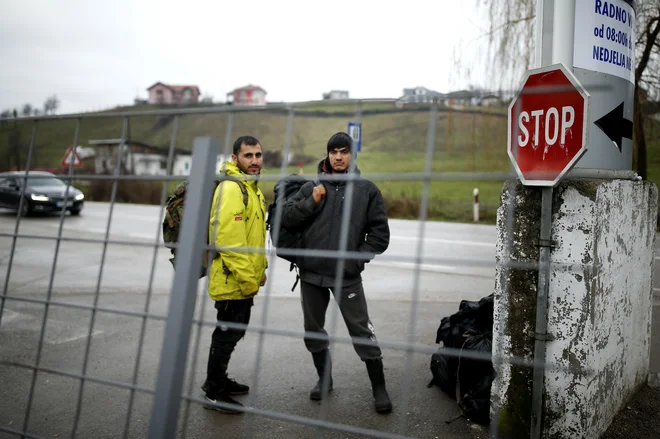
(412, 266)
(9, 316)
(445, 241)
(122, 216)
(73, 229)
(57, 332)
(142, 235)
(149, 236)
(78, 336)
(91, 230)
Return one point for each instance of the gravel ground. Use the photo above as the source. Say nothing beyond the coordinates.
(640, 418)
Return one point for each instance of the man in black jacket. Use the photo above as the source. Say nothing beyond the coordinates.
(368, 234)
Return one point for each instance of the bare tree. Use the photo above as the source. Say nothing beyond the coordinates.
(511, 35)
(6, 114)
(27, 110)
(647, 74)
(51, 105)
(510, 44)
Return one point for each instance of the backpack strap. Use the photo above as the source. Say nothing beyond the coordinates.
(215, 253)
(459, 391)
(291, 268)
(244, 191)
(317, 182)
(459, 397)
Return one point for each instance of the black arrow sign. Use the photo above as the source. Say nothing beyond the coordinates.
(615, 126)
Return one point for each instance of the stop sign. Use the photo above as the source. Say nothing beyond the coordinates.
(548, 120)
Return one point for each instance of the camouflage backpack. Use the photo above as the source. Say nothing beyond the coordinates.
(174, 213)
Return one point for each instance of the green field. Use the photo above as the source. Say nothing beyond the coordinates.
(394, 143)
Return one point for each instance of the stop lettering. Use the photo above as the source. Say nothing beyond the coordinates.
(547, 125)
(554, 127)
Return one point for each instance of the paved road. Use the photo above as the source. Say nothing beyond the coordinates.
(285, 373)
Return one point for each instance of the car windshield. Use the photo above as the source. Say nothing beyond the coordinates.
(44, 182)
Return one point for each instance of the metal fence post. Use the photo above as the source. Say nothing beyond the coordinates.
(165, 413)
(541, 312)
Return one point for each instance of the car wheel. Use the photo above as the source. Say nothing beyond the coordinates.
(75, 211)
(25, 209)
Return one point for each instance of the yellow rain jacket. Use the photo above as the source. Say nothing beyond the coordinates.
(237, 275)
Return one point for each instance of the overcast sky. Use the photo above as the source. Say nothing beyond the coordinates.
(97, 54)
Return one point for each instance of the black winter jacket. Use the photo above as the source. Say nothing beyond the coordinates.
(369, 232)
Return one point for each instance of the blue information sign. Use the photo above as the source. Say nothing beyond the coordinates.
(355, 131)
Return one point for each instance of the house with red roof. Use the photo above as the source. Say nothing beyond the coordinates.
(248, 95)
(160, 93)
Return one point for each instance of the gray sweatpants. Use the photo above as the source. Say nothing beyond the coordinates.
(353, 307)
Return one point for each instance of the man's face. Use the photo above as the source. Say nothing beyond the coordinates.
(249, 159)
(340, 159)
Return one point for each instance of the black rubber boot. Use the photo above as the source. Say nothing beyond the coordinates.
(321, 360)
(377, 377)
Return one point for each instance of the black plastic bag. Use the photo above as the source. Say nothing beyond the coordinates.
(475, 377)
(443, 369)
(472, 367)
(471, 318)
(466, 379)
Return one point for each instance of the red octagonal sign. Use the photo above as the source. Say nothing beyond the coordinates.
(547, 125)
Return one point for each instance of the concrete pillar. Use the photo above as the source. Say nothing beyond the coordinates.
(600, 303)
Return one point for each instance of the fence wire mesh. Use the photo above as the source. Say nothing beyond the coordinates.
(122, 340)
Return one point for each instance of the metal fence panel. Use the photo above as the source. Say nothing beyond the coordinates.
(180, 344)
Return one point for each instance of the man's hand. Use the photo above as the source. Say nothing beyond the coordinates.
(263, 282)
(319, 193)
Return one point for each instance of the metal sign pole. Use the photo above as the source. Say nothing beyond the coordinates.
(355, 131)
(560, 45)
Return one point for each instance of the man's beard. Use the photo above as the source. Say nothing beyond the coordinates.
(246, 172)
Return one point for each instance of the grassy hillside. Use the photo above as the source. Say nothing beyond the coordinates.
(394, 142)
(652, 132)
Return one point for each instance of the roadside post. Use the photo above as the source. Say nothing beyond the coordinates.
(475, 205)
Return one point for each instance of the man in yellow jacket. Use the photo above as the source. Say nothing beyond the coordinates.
(237, 228)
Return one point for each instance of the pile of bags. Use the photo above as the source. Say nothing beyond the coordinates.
(468, 380)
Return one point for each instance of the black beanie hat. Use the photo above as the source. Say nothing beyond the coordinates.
(339, 140)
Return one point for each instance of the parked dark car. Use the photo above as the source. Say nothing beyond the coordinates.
(44, 192)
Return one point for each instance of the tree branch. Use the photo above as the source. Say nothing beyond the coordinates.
(651, 37)
(508, 23)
